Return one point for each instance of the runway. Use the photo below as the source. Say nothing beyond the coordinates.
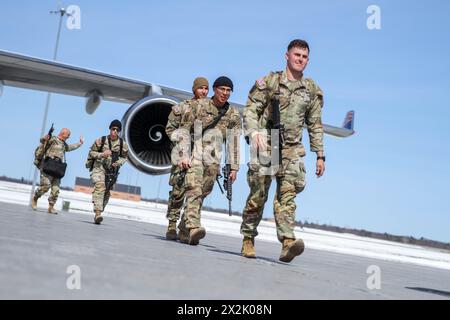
(123, 259)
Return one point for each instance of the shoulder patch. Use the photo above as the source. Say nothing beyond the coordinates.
(309, 81)
(316, 87)
(176, 109)
(311, 85)
(261, 83)
(272, 80)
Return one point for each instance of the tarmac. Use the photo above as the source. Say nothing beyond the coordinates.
(67, 256)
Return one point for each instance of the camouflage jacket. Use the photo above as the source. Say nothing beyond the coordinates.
(57, 148)
(202, 114)
(301, 103)
(176, 116)
(96, 153)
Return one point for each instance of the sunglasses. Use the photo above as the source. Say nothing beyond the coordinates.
(115, 129)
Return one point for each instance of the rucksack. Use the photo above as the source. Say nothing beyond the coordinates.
(39, 155)
(40, 152)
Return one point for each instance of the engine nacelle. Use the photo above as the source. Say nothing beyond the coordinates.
(93, 99)
(144, 126)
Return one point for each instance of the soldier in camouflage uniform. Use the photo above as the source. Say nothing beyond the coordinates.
(100, 159)
(301, 101)
(200, 88)
(204, 164)
(56, 148)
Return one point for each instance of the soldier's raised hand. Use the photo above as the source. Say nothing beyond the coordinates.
(81, 139)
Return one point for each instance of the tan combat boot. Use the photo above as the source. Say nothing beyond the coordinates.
(51, 208)
(34, 203)
(171, 233)
(98, 217)
(248, 248)
(183, 237)
(291, 248)
(195, 234)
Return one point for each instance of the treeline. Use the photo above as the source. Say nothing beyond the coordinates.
(378, 235)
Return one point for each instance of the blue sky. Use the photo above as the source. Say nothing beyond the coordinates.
(392, 176)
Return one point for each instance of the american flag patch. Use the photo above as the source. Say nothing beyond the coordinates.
(260, 82)
(176, 109)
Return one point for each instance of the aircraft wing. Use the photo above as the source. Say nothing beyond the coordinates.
(27, 72)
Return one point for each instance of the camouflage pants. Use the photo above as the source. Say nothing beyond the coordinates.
(176, 196)
(291, 182)
(99, 195)
(46, 183)
(199, 183)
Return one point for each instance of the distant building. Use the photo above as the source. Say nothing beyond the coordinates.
(120, 191)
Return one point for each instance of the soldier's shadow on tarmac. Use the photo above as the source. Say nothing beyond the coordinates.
(257, 258)
(432, 291)
(163, 238)
(91, 222)
(215, 249)
(156, 236)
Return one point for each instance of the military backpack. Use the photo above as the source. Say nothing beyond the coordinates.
(40, 151)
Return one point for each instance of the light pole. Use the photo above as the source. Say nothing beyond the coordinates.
(159, 188)
(62, 12)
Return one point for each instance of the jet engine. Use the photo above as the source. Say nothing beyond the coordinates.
(144, 126)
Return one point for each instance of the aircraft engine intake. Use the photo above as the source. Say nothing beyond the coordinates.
(144, 126)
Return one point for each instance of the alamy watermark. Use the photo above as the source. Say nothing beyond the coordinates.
(374, 20)
(73, 282)
(374, 279)
(74, 17)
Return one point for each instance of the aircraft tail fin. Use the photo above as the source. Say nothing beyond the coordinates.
(349, 120)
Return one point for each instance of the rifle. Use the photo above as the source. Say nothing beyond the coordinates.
(39, 153)
(181, 177)
(278, 140)
(111, 175)
(227, 184)
(50, 132)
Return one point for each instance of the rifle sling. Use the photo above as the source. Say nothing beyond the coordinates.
(216, 120)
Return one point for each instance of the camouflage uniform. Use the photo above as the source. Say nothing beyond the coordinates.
(57, 149)
(98, 171)
(300, 103)
(205, 161)
(176, 196)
